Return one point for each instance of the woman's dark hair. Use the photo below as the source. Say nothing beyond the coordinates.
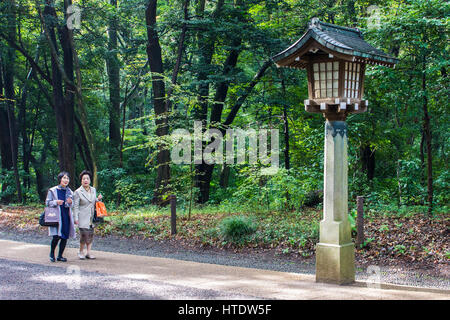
(62, 174)
(84, 172)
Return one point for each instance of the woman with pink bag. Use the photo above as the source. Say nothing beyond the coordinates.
(61, 197)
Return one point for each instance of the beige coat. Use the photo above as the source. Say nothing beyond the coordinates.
(84, 206)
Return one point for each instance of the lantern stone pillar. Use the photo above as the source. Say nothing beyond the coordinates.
(335, 58)
(335, 252)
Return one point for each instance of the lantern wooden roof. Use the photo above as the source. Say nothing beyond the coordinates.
(329, 39)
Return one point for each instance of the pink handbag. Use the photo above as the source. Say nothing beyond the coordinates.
(51, 216)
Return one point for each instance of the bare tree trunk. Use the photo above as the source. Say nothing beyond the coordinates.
(224, 176)
(287, 164)
(286, 129)
(427, 132)
(399, 187)
(206, 170)
(368, 161)
(8, 78)
(63, 102)
(422, 157)
(26, 145)
(161, 113)
(5, 144)
(83, 125)
(206, 46)
(122, 139)
(113, 68)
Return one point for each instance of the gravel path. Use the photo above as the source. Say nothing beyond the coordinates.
(28, 281)
(259, 260)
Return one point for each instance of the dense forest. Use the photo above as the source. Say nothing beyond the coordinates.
(101, 85)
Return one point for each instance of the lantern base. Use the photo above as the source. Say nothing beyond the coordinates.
(335, 263)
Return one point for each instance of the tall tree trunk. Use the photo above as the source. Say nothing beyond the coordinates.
(206, 170)
(286, 129)
(113, 68)
(8, 78)
(287, 164)
(427, 131)
(5, 139)
(224, 176)
(83, 126)
(161, 113)
(63, 102)
(368, 161)
(422, 157)
(205, 46)
(26, 145)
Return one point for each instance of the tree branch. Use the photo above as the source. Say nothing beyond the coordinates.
(248, 90)
(33, 63)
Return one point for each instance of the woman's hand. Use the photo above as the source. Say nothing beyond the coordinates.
(100, 197)
(76, 222)
(59, 202)
(69, 200)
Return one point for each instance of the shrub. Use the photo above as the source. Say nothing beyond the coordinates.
(237, 228)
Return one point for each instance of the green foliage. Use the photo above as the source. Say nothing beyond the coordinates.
(400, 249)
(107, 178)
(367, 242)
(415, 31)
(442, 185)
(7, 184)
(296, 234)
(130, 225)
(409, 182)
(134, 191)
(237, 229)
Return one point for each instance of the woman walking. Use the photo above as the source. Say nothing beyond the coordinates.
(61, 196)
(85, 198)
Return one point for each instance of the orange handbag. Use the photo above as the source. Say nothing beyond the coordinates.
(101, 209)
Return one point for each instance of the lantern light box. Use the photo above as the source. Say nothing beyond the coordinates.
(335, 58)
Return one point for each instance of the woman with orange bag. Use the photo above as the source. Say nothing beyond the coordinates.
(84, 199)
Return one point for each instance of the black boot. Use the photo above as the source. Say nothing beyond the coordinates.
(53, 245)
(62, 246)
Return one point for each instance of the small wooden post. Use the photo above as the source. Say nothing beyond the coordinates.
(360, 221)
(173, 214)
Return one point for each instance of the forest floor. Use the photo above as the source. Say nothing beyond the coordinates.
(415, 243)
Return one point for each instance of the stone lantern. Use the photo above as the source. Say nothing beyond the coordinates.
(335, 59)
